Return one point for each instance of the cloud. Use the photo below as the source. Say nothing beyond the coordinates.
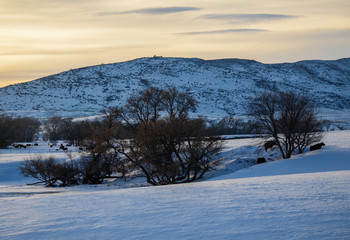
(247, 17)
(331, 33)
(223, 31)
(154, 11)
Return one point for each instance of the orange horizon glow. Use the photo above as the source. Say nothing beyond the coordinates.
(40, 38)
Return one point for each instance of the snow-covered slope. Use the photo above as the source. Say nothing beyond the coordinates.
(221, 86)
(306, 197)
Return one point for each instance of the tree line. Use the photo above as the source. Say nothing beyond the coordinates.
(23, 129)
(154, 135)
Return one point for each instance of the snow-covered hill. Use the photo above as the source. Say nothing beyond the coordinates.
(221, 86)
(305, 197)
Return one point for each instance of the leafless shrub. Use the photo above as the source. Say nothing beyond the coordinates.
(50, 171)
(40, 168)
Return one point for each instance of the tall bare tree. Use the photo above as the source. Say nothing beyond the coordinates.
(290, 118)
(164, 143)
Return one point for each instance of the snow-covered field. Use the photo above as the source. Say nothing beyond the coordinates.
(306, 197)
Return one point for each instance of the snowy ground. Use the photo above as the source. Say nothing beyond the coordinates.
(306, 197)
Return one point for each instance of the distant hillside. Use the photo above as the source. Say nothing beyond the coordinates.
(221, 86)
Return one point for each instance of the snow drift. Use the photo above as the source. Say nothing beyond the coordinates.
(306, 197)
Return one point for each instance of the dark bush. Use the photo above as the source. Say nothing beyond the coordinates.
(67, 173)
(40, 168)
(91, 169)
(95, 167)
(50, 171)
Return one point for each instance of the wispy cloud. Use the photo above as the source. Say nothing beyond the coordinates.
(154, 11)
(247, 17)
(223, 31)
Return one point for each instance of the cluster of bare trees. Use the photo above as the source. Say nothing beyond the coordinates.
(231, 125)
(22, 129)
(153, 134)
(58, 128)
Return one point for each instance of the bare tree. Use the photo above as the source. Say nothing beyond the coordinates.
(164, 143)
(289, 118)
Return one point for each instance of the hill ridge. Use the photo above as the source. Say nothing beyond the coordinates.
(222, 86)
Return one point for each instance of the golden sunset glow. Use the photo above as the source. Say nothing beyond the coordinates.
(39, 38)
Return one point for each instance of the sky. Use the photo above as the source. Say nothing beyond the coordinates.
(40, 38)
